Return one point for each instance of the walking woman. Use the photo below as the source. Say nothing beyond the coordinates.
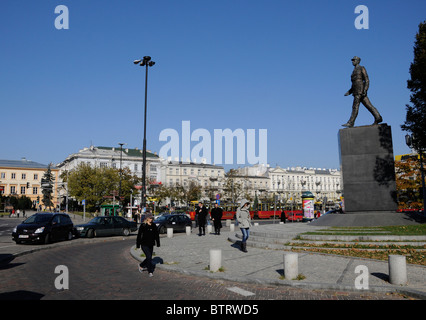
(244, 221)
(147, 237)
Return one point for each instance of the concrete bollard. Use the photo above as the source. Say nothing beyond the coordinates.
(232, 226)
(397, 269)
(215, 259)
(281, 222)
(188, 230)
(209, 228)
(291, 266)
(169, 232)
(256, 224)
(228, 222)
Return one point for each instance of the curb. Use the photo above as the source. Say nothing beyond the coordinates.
(290, 283)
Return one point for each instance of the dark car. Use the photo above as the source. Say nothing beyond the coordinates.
(176, 221)
(44, 227)
(106, 226)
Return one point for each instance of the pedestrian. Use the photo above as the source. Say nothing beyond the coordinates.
(147, 237)
(283, 216)
(217, 213)
(244, 221)
(201, 215)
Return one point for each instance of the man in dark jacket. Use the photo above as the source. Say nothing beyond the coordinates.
(201, 216)
(217, 213)
(147, 237)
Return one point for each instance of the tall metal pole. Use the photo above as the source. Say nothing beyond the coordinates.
(121, 172)
(143, 200)
(146, 61)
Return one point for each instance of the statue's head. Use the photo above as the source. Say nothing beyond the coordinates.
(356, 60)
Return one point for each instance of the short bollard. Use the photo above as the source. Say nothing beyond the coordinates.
(232, 227)
(228, 222)
(215, 259)
(169, 232)
(291, 266)
(397, 270)
(188, 230)
(256, 224)
(209, 228)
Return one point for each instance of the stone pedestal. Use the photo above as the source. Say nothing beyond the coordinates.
(368, 171)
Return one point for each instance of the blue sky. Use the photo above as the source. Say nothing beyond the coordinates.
(278, 65)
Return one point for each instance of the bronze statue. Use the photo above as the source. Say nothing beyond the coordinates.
(360, 84)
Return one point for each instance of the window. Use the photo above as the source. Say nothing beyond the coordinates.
(22, 190)
(136, 167)
(12, 189)
(23, 176)
(35, 176)
(35, 189)
(13, 176)
(3, 175)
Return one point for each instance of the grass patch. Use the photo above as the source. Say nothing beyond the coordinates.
(412, 255)
(411, 230)
(299, 277)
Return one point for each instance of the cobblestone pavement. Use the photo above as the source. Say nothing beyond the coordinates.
(106, 270)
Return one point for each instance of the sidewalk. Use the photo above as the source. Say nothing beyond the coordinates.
(190, 255)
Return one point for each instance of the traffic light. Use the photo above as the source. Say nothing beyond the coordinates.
(28, 185)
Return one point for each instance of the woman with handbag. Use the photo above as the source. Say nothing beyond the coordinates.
(244, 221)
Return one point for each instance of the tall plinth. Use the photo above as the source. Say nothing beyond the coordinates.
(368, 170)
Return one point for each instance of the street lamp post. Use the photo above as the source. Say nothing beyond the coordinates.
(121, 171)
(410, 141)
(146, 61)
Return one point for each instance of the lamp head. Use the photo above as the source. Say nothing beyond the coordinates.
(137, 61)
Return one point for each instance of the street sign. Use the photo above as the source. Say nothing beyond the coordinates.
(218, 196)
(83, 202)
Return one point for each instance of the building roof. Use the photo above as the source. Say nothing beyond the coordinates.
(23, 163)
(129, 152)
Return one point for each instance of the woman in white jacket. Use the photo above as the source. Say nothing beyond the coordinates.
(244, 221)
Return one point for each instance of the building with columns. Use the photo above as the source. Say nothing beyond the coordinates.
(114, 157)
(290, 183)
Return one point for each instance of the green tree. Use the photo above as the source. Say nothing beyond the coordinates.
(47, 182)
(98, 185)
(416, 113)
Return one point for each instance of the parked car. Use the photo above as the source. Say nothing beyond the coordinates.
(176, 221)
(296, 216)
(106, 226)
(44, 227)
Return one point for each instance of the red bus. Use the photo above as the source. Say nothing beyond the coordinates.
(266, 211)
(229, 211)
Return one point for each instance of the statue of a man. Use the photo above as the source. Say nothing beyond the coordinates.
(360, 84)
